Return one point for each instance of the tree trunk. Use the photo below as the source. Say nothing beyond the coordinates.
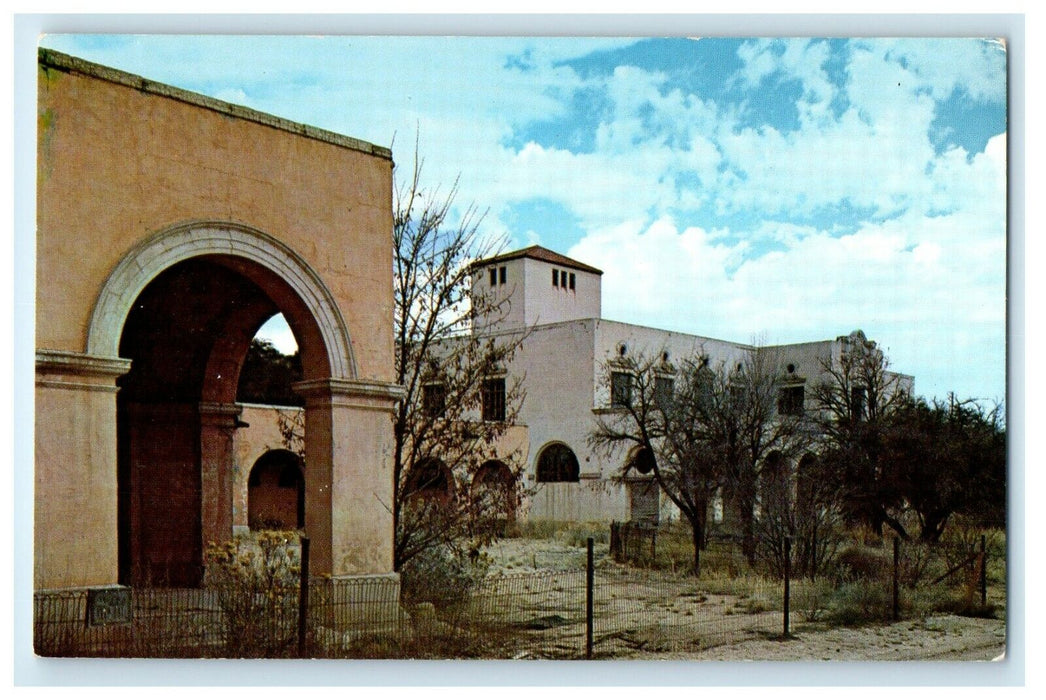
(702, 515)
(697, 530)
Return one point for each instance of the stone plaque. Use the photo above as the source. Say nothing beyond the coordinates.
(108, 605)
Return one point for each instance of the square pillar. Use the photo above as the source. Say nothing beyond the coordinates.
(75, 516)
(348, 475)
(218, 421)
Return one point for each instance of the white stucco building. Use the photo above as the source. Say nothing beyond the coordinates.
(564, 360)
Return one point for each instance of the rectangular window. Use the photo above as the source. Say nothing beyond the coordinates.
(791, 400)
(493, 276)
(705, 389)
(433, 400)
(494, 399)
(571, 280)
(664, 389)
(857, 403)
(501, 274)
(620, 389)
(555, 278)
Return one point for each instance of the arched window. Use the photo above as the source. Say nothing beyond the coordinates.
(642, 461)
(774, 477)
(557, 463)
(276, 492)
(429, 478)
(806, 483)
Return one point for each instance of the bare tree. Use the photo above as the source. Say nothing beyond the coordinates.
(713, 431)
(754, 440)
(459, 401)
(658, 416)
(857, 400)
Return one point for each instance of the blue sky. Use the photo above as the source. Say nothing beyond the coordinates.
(788, 190)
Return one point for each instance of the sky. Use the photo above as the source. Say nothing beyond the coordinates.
(742, 189)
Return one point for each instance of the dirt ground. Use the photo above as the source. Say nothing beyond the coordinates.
(938, 637)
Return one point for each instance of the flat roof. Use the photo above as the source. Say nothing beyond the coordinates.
(72, 64)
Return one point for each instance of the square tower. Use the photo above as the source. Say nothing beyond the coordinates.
(534, 286)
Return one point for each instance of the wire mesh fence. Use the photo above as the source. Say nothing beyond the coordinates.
(538, 615)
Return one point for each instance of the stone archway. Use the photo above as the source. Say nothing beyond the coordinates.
(186, 333)
(300, 213)
(304, 293)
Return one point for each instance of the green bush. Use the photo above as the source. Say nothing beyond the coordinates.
(860, 602)
(811, 599)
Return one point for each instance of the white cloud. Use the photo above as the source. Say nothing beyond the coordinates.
(930, 287)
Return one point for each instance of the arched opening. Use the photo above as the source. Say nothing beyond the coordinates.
(429, 479)
(642, 461)
(644, 494)
(806, 484)
(774, 486)
(272, 367)
(494, 495)
(276, 492)
(557, 463)
(187, 334)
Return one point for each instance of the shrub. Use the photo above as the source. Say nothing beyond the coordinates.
(860, 602)
(257, 578)
(442, 576)
(958, 605)
(859, 563)
(811, 599)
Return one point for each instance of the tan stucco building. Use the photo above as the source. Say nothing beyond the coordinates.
(170, 227)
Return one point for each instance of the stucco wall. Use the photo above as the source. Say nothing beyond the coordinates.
(547, 304)
(117, 164)
(126, 165)
(249, 444)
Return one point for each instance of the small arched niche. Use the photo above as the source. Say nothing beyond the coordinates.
(276, 492)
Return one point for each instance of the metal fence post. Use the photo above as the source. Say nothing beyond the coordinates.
(896, 578)
(589, 581)
(813, 554)
(787, 577)
(984, 571)
(303, 596)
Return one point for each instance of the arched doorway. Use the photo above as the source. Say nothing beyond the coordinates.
(494, 495)
(644, 494)
(806, 485)
(276, 492)
(775, 493)
(186, 332)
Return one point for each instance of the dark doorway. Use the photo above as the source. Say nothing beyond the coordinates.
(276, 492)
(186, 336)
